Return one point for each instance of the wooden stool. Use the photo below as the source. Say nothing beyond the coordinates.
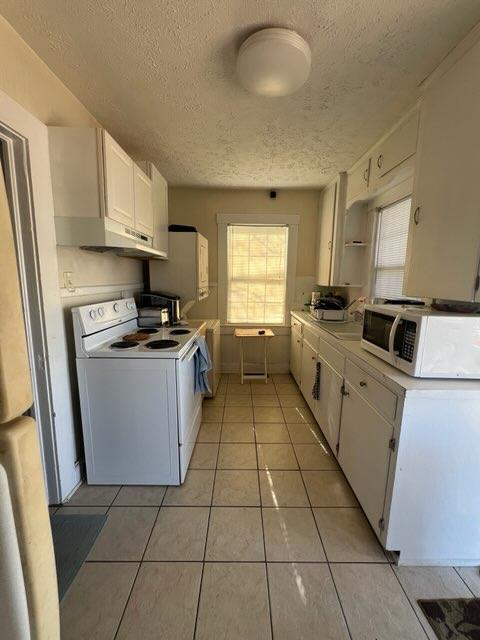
(254, 333)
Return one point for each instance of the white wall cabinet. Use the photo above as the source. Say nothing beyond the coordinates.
(358, 180)
(102, 198)
(395, 148)
(444, 236)
(364, 453)
(330, 225)
(119, 182)
(143, 197)
(159, 206)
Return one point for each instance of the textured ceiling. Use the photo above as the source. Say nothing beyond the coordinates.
(159, 75)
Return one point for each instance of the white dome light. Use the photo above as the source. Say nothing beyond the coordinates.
(274, 62)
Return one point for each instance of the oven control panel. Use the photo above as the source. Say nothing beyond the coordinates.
(95, 317)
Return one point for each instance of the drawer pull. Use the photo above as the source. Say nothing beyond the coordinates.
(363, 383)
(380, 161)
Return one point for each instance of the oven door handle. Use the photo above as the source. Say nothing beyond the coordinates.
(189, 355)
(391, 338)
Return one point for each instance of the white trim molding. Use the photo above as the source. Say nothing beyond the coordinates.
(265, 219)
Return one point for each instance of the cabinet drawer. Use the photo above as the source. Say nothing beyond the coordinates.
(296, 324)
(334, 358)
(311, 336)
(384, 400)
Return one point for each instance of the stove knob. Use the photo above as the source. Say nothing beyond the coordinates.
(116, 308)
(93, 314)
(101, 311)
(130, 305)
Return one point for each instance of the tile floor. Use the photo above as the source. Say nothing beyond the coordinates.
(265, 539)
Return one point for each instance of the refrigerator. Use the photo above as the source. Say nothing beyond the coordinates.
(28, 585)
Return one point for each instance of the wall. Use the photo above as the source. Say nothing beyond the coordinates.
(199, 207)
(29, 82)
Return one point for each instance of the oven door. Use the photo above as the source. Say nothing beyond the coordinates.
(189, 408)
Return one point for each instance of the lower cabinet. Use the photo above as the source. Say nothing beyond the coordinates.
(364, 453)
(307, 375)
(329, 405)
(296, 355)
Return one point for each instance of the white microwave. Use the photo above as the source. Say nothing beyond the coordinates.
(422, 342)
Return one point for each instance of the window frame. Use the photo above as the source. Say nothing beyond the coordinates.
(373, 266)
(225, 219)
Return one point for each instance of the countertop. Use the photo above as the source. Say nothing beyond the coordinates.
(396, 380)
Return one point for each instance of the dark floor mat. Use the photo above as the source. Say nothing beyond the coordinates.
(453, 619)
(73, 537)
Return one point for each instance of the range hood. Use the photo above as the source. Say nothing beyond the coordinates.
(104, 234)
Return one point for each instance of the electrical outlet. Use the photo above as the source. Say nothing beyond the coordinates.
(68, 280)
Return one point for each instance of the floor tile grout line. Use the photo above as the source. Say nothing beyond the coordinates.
(463, 580)
(324, 551)
(408, 599)
(139, 566)
(264, 544)
(206, 536)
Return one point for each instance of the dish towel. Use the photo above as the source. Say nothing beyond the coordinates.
(203, 364)
(316, 386)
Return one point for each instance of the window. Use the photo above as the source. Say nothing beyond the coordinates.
(256, 273)
(391, 250)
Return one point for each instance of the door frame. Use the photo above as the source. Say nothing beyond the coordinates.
(22, 130)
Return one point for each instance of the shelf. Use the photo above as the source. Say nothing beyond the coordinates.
(356, 244)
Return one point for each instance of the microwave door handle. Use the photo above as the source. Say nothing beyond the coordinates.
(391, 339)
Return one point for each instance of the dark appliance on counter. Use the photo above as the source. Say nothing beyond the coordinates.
(153, 302)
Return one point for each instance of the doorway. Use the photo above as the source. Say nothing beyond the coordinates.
(15, 167)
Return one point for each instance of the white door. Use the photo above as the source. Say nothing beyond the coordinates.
(399, 146)
(142, 186)
(307, 375)
(326, 222)
(119, 192)
(296, 355)
(444, 240)
(202, 248)
(329, 405)
(358, 181)
(364, 453)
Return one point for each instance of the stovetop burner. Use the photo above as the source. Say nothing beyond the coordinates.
(162, 344)
(179, 332)
(125, 344)
(149, 331)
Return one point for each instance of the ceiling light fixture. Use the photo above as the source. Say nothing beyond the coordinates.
(274, 62)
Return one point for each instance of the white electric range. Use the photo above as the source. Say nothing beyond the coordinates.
(140, 411)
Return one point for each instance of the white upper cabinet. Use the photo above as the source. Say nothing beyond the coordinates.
(395, 148)
(330, 225)
(119, 182)
(444, 236)
(159, 206)
(358, 181)
(142, 186)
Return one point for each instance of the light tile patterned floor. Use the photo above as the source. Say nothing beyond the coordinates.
(264, 540)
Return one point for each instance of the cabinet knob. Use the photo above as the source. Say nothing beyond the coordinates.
(298, 341)
(379, 161)
(329, 245)
(313, 358)
(416, 215)
(363, 383)
(365, 175)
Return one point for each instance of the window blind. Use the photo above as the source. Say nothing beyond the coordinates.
(257, 273)
(391, 250)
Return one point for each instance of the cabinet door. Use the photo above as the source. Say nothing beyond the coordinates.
(358, 181)
(329, 405)
(307, 375)
(119, 195)
(296, 355)
(444, 236)
(364, 453)
(142, 186)
(202, 249)
(326, 225)
(400, 145)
